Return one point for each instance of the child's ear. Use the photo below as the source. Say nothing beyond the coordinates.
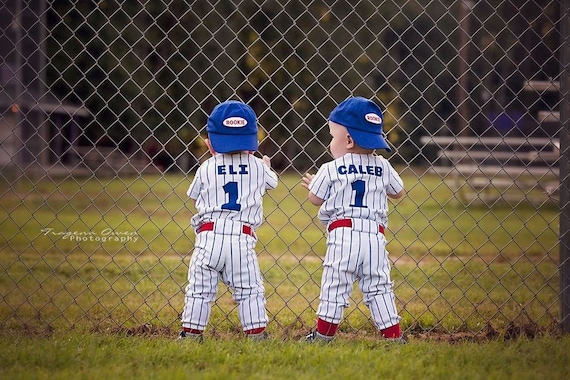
(349, 142)
(210, 148)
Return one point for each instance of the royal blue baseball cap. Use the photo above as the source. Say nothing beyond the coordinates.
(232, 126)
(363, 119)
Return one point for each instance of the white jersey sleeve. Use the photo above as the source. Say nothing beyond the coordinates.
(356, 186)
(231, 186)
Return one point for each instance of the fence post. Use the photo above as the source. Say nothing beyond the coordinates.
(565, 168)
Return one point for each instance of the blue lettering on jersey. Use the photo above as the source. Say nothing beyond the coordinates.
(360, 169)
(229, 169)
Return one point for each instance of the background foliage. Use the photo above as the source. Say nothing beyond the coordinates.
(152, 71)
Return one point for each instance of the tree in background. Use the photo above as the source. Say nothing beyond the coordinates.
(152, 71)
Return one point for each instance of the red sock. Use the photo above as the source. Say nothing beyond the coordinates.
(192, 331)
(391, 332)
(326, 328)
(258, 330)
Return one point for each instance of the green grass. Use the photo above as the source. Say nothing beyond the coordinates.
(477, 288)
(95, 356)
(454, 267)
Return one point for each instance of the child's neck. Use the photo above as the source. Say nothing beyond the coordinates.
(360, 150)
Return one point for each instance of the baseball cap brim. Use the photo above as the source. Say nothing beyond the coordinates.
(233, 143)
(368, 140)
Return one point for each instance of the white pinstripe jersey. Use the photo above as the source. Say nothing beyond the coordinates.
(356, 186)
(231, 186)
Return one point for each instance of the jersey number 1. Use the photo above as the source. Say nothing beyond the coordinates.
(231, 189)
(359, 187)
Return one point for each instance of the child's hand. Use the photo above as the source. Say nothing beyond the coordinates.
(267, 161)
(307, 178)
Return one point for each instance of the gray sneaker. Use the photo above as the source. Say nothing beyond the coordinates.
(315, 336)
(188, 335)
(258, 337)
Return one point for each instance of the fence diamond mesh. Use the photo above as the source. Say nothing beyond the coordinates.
(104, 109)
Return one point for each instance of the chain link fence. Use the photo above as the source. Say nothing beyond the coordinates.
(104, 107)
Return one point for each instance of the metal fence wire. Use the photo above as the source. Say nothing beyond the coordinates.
(104, 105)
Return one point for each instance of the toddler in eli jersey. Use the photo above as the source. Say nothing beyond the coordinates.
(353, 192)
(227, 192)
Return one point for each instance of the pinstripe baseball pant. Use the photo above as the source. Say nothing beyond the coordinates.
(357, 253)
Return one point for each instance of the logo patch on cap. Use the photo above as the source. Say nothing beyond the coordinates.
(373, 118)
(235, 122)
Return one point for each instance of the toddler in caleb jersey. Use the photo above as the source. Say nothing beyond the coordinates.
(352, 192)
